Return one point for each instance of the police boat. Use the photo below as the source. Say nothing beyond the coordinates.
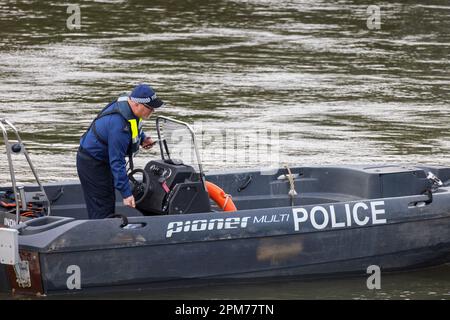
(304, 221)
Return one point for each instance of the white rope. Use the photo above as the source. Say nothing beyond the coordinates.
(292, 193)
(227, 196)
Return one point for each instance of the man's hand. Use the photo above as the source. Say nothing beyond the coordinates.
(148, 143)
(129, 202)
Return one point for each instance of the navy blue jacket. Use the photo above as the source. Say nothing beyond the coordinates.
(114, 130)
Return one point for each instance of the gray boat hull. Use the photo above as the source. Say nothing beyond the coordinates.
(384, 220)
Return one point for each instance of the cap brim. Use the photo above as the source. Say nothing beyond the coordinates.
(156, 103)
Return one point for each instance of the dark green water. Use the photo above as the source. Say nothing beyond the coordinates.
(332, 89)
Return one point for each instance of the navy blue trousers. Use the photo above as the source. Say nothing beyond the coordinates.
(97, 183)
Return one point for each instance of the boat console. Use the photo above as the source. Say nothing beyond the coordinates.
(169, 187)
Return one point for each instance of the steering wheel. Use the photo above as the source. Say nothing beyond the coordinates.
(139, 189)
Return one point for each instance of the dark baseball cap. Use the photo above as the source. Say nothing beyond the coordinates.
(145, 95)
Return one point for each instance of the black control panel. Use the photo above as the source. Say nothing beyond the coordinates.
(175, 188)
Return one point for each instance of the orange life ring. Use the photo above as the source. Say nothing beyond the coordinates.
(222, 199)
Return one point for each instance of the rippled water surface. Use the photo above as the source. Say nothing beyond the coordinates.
(329, 89)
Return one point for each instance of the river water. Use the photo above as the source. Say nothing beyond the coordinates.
(309, 82)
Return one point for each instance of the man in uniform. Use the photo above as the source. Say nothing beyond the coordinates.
(115, 133)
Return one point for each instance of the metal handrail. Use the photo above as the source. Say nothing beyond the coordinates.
(17, 194)
(194, 141)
